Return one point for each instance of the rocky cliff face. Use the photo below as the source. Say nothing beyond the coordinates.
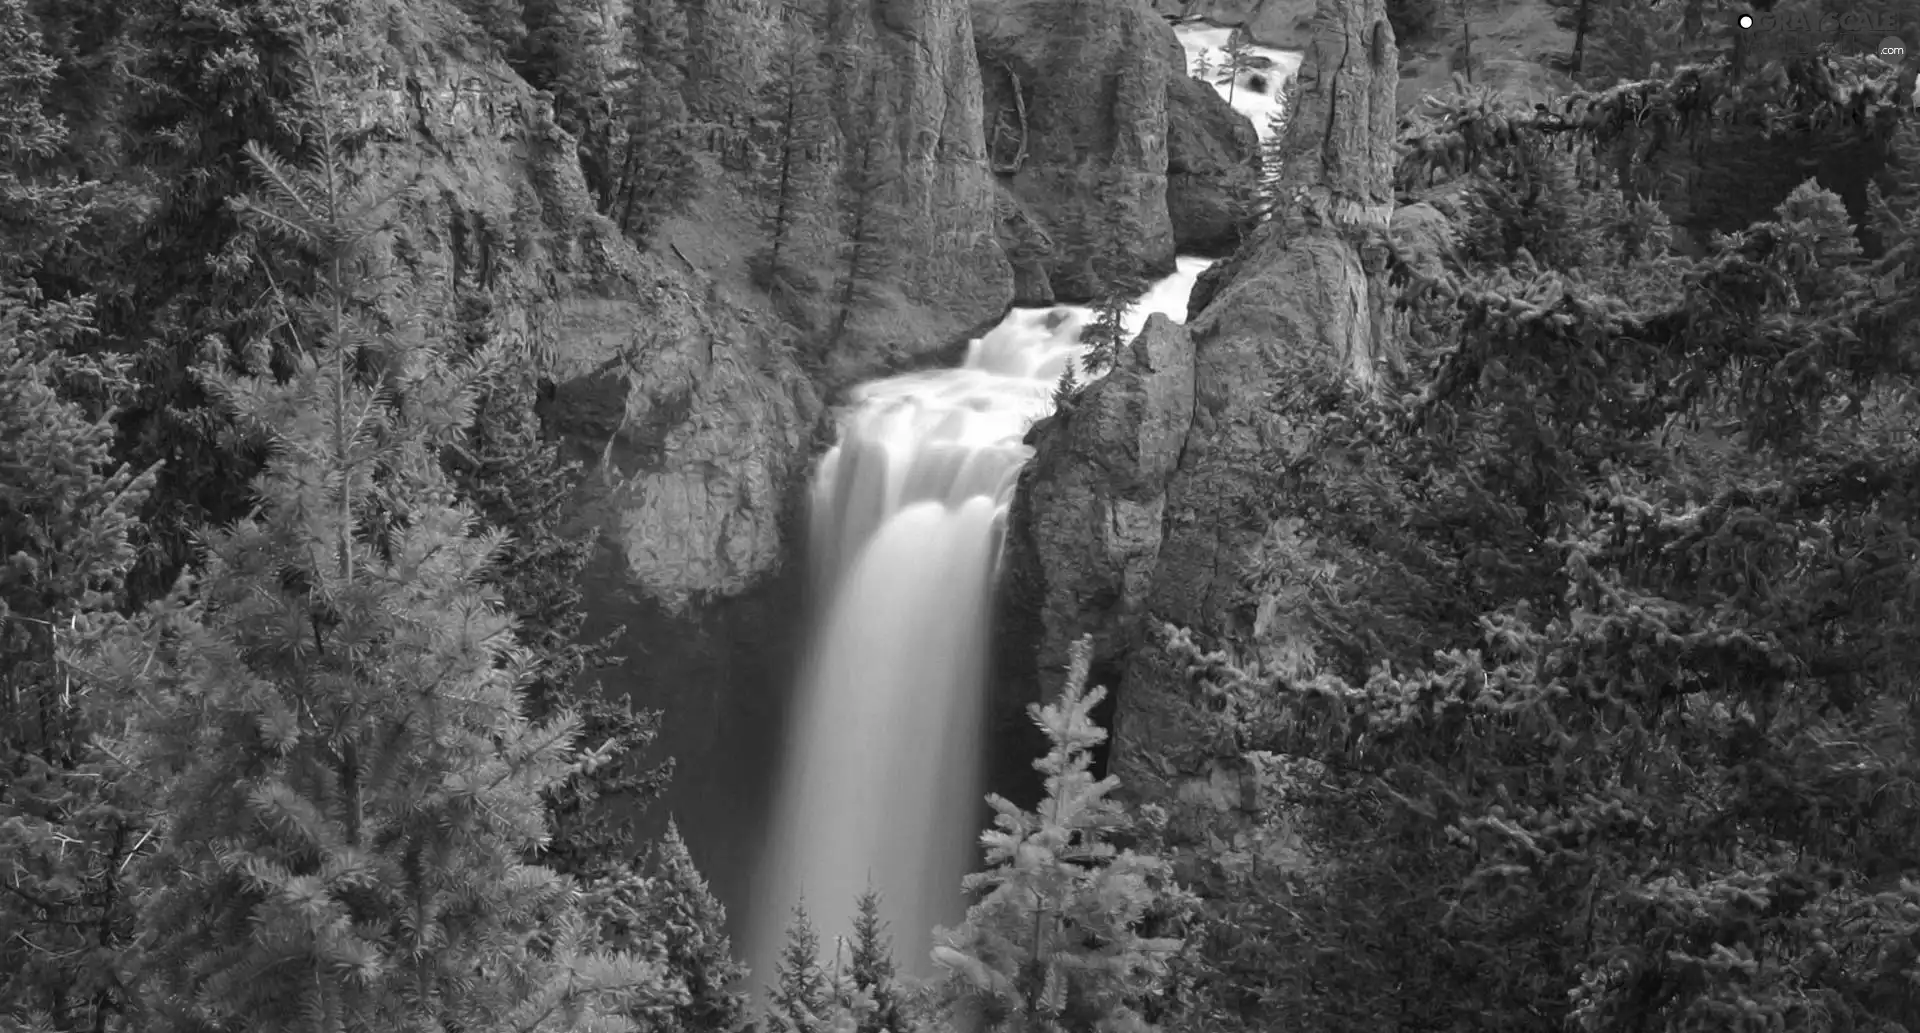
(697, 421)
(955, 273)
(1086, 539)
(1302, 300)
(1089, 105)
(1076, 115)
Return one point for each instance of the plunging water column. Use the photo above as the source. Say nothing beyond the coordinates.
(881, 779)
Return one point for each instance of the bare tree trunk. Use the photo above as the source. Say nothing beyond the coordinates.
(1466, 32)
(1582, 21)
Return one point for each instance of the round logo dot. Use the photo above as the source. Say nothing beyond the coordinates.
(1746, 21)
(1893, 49)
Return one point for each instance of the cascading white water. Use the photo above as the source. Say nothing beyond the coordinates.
(881, 778)
(880, 781)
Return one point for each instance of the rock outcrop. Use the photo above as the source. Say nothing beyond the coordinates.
(1300, 302)
(697, 422)
(954, 271)
(1076, 117)
(1094, 498)
(1213, 169)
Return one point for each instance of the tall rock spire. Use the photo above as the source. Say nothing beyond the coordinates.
(1198, 533)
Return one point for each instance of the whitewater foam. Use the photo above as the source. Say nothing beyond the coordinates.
(881, 778)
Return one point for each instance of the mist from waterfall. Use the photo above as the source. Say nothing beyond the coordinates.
(881, 779)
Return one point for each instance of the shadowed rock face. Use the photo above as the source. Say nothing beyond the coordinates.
(1088, 81)
(1213, 169)
(1303, 300)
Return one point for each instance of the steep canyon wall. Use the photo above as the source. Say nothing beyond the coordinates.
(1152, 501)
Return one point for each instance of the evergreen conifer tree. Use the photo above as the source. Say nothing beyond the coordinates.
(1065, 388)
(870, 216)
(698, 953)
(333, 729)
(1233, 61)
(795, 177)
(69, 823)
(68, 512)
(1273, 151)
(871, 969)
(521, 486)
(729, 43)
(802, 994)
(1053, 941)
(1119, 277)
(652, 170)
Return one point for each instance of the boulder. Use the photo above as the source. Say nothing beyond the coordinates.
(1213, 169)
(1076, 123)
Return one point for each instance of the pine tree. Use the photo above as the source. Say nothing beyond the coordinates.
(334, 727)
(1273, 149)
(1053, 941)
(652, 171)
(1066, 389)
(37, 208)
(68, 512)
(729, 45)
(795, 179)
(1119, 276)
(870, 216)
(68, 823)
(1233, 61)
(1602, 741)
(872, 973)
(1465, 8)
(1203, 66)
(698, 952)
(520, 486)
(802, 998)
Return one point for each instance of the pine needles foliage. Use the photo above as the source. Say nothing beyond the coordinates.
(1605, 717)
(1053, 940)
(330, 713)
(801, 998)
(662, 910)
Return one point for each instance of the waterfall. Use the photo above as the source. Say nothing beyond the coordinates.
(881, 777)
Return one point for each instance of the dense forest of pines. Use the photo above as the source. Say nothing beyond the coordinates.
(1621, 729)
